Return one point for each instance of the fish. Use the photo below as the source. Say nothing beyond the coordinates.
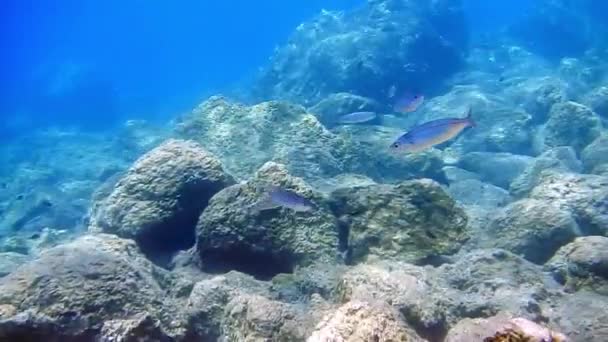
(356, 117)
(408, 103)
(432, 133)
(278, 197)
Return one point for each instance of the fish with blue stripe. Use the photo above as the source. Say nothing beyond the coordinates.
(432, 133)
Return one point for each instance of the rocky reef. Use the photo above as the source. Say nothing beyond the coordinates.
(499, 234)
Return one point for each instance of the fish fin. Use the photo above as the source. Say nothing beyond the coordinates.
(469, 117)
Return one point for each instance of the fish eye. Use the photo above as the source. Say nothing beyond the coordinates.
(395, 145)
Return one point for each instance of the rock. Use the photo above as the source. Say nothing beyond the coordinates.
(595, 155)
(9, 261)
(493, 280)
(338, 52)
(597, 100)
(206, 304)
(585, 196)
(537, 95)
(141, 328)
(475, 192)
(300, 286)
(556, 159)
(582, 316)
(256, 318)
(495, 168)
(73, 289)
(582, 264)
(455, 174)
(329, 110)
(159, 200)
(245, 138)
(533, 229)
(232, 235)
(362, 321)
(571, 124)
(486, 329)
(414, 221)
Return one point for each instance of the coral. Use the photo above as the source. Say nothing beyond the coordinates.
(413, 221)
(159, 200)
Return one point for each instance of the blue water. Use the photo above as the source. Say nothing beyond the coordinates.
(95, 63)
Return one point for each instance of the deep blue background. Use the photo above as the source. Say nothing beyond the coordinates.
(90, 61)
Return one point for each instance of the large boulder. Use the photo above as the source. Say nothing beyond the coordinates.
(571, 124)
(232, 234)
(70, 291)
(159, 200)
(363, 321)
(584, 196)
(246, 137)
(582, 316)
(413, 221)
(595, 155)
(499, 169)
(477, 193)
(556, 159)
(582, 264)
(385, 44)
(532, 228)
(597, 100)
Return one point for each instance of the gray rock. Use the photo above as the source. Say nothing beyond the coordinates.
(533, 229)
(556, 159)
(159, 200)
(412, 221)
(363, 321)
(233, 235)
(585, 196)
(475, 192)
(338, 52)
(495, 168)
(582, 316)
(537, 95)
(582, 264)
(595, 155)
(9, 261)
(206, 304)
(571, 124)
(140, 328)
(597, 100)
(455, 174)
(71, 290)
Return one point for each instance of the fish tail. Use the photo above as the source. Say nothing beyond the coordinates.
(469, 117)
(265, 203)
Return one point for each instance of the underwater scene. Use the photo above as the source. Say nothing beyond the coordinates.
(304, 171)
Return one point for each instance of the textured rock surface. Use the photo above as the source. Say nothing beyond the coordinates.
(571, 124)
(475, 192)
(244, 138)
(9, 261)
(585, 196)
(556, 159)
(411, 221)
(159, 200)
(532, 228)
(72, 289)
(597, 100)
(582, 316)
(595, 155)
(339, 52)
(362, 321)
(232, 234)
(582, 264)
(486, 164)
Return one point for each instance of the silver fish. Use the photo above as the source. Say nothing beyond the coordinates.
(356, 117)
(279, 197)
